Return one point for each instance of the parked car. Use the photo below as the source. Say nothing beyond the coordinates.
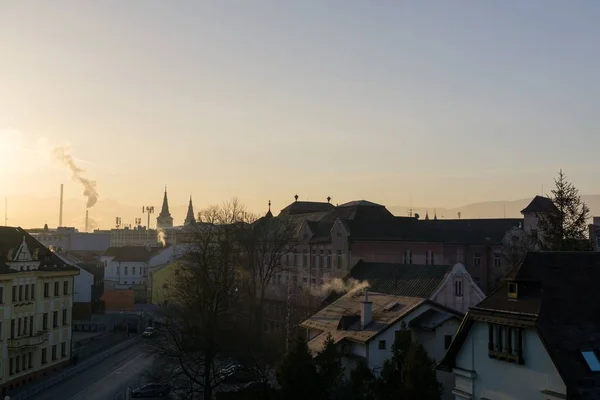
(150, 331)
(151, 390)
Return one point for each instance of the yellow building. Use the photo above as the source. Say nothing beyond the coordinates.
(36, 299)
(161, 277)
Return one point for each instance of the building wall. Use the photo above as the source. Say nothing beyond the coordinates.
(83, 287)
(449, 295)
(394, 252)
(497, 379)
(126, 272)
(161, 278)
(38, 340)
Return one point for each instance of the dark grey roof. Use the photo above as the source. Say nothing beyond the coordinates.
(10, 241)
(132, 253)
(539, 204)
(401, 279)
(357, 203)
(560, 291)
(305, 207)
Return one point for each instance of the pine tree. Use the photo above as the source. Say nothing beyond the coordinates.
(389, 385)
(297, 374)
(329, 367)
(565, 229)
(419, 380)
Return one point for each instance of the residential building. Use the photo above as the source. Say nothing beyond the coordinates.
(161, 277)
(67, 238)
(450, 286)
(538, 207)
(128, 266)
(36, 298)
(536, 337)
(88, 285)
(363, 325)
(594, 233)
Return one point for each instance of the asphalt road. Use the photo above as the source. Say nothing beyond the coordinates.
(105, 380)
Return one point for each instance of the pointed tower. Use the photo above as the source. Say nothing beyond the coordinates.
(426, 215)
(434, 215)
(269, 214)
(164, 219)
(189, 218)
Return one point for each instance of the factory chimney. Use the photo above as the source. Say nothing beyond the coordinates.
(86, 219)
(60, 213)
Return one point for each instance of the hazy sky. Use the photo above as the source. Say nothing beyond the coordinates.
(447, 102)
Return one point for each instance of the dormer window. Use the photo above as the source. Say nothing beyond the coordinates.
(591, 359)
(512, 290)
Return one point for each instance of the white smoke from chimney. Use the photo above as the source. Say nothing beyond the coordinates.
(162, 238)
(338, 285)
(63, 154)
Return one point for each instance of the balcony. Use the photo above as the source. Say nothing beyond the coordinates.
(28, 341)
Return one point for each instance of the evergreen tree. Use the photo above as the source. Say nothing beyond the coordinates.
(329, 367)
(361, 385)
(418, 375)
(389, 385)
(297, 374)
(565, 229)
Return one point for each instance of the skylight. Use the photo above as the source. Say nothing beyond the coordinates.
(592, 360)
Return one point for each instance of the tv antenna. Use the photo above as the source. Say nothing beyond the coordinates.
(148, 210)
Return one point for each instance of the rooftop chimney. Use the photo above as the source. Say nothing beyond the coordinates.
(366, 312)
(60, 212)
(86, 220)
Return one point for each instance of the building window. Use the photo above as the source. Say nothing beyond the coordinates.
(339, 259)
(447, 341)
(33, 291)
(13, 325)
(47, 289)
(64, 317)
(304, 280)
(458, 289)
(295, 258)
(45, 321)
(30, 361)
(14, 294)
(20, 292)
(25, 332)
(505, 343)
(407, 257)
(429, 258)
(55, 319)
(132, 270)
(2, 295)
(63, 349)
(26, 292)
(328, 258)
(591, 360)
(118, 271)
(54, 352)
(382, 345)
(10, 366)
(287, 259)
(44, 356)
(304, 258)
(31, 327)
(321, 259)
(56, 289)
(66, 287)
(497, 260)
(477, 260)
(512, 290)
(313, 263)
(125, 271)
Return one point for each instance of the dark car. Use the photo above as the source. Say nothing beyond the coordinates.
(150, 331)
(151, 390)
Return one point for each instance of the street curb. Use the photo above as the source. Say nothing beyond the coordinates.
(74, 370)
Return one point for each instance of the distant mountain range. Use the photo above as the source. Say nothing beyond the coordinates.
(34, 212)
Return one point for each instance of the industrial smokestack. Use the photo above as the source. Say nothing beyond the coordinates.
(60, 213)
(86, 219)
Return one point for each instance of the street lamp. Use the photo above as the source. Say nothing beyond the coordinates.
(148, 210)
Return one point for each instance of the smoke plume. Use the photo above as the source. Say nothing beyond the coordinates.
(162, 238)
(338, 285)
(90, 190)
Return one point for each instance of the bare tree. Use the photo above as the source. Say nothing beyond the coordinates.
(202, 298)
(267, 244)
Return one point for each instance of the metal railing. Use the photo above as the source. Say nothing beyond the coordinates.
(76, 369)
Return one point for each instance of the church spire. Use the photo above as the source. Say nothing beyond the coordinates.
(164, 219)
(426, 215)
(189, 218)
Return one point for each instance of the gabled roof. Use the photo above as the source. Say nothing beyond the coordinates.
(132, 253)
(401, 279)
(341, 319)
(558, 291)
(11, 239)
(540, 204)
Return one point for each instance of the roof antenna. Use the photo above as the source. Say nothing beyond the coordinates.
(329, 199)
(296, 197)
